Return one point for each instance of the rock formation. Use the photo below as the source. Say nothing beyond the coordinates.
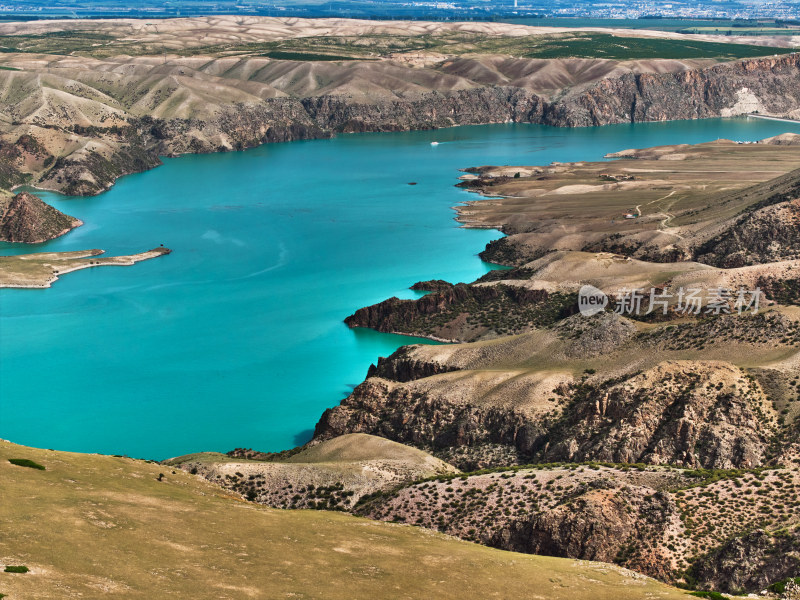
(27, 219)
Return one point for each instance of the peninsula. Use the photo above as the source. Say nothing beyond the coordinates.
(41, 269)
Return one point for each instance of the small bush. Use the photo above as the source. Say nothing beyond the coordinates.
(16, 569)
(24, 462)
(779, 587)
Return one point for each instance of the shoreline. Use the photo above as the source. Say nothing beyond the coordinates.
(770, 118)
(433, 338)
(333, 134)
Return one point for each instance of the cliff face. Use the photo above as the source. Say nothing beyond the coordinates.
(768, 234)
(466, 312)
(691, 414)
(688, 414)
(767, 85)
(602, 523)
(480, 437)
(403, 366)
(25, 218)
(751, 561)
(138, 124)
(427, 111)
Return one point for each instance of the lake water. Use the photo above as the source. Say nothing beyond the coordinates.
(236, 339)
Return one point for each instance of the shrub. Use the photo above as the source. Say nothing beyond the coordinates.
(16, 569)
(779, 587)
(24, 462)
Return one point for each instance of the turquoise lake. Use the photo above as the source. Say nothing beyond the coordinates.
(236, 339)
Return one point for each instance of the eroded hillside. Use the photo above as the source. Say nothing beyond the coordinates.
(82, 103)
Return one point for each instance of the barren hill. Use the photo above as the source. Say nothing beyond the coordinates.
(333, 474)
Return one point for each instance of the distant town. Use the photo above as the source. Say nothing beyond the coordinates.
(387, 9)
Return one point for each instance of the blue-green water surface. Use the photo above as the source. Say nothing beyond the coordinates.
(236, 339)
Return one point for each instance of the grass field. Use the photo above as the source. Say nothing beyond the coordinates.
(598, 45)
(94, 526)
(750, 27)
(374, 45)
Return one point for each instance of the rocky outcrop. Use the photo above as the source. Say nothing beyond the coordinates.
(402, 366)
(751, 562)
(507, 251)
(432, 285)
(433, 423)
(595, 335)
(768, 234)
(27, 219)
(693, 414)
(608, 522)
(466, 312)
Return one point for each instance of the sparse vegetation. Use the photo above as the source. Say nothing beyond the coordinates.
(24, 462)
(16, 569)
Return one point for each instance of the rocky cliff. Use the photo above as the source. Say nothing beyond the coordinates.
(25, 218)
(118, 126)
(404, 366)
(767, 85)
(688, 414)
(751, 561)
(466, 312)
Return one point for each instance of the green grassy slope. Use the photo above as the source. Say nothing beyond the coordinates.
(96, 526)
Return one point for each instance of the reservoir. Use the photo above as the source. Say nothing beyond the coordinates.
(236, 339)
